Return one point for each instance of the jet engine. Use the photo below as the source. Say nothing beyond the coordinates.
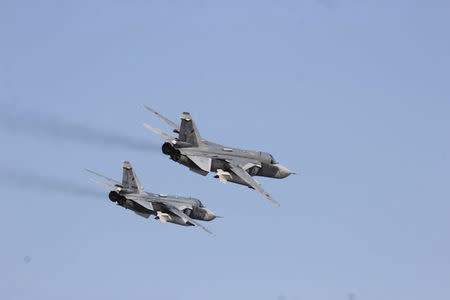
(128, 204)
(168, 149)
(115, 197)
(175, 155)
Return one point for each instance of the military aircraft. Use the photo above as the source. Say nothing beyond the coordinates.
(130, 194)
(202, 156)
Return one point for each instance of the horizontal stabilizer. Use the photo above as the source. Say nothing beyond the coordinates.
(142, 202)
(203, 163)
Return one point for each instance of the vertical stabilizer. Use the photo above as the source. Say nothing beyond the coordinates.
(130, 182)
(188, 131)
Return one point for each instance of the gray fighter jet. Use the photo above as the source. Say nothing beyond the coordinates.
(130, 195)
(202, 156)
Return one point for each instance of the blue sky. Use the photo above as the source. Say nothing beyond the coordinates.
(354, 95)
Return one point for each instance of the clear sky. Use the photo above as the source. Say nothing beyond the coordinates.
(352, 94)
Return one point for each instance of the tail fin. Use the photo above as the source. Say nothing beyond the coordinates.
(130, 182)
(188, 131)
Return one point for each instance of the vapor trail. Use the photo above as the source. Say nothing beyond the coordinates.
(31, 181)
(41, 125)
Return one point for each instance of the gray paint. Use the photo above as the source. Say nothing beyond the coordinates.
(167, 208)
(202, 156)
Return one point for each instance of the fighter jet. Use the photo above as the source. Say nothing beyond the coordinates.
(173, 209)
(202, 156)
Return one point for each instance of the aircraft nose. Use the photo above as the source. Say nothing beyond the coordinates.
(283, 172)
(209, 215)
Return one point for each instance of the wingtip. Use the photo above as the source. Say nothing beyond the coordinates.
(269, 197)
(150, 109)
(275, 202)
(89, 171)
(208, 231)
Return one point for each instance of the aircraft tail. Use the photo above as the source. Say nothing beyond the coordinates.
(130, 182)
(188, 131)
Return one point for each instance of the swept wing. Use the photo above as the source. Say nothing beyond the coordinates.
(241, 173)
(161, 117)
(103, 176)
(106, 185)
(185, 217)
(159, 132)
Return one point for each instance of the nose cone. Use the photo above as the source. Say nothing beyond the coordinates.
(209, 215)
(282, 172)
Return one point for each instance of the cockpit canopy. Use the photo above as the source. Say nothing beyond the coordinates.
(267, 158)
(273, 161)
